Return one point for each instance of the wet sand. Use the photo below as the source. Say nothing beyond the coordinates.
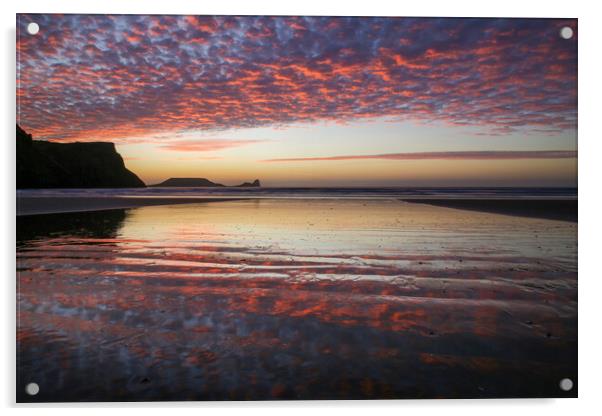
(282, 299)
(553, 209)
(53, 205)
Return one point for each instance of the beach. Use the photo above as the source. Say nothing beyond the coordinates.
(34, 205)
(282, 299)
(553, 209)
(555, 204)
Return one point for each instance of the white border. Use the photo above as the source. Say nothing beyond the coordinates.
(590, 149)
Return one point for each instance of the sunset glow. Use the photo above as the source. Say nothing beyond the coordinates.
(310, 101)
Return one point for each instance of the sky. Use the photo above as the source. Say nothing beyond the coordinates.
(309, 101)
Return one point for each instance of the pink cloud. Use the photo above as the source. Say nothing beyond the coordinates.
(206, 145)
(463, 155)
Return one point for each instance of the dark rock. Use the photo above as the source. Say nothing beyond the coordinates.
(189, 182)
(42, 164)
(254, 184)
(201, 182)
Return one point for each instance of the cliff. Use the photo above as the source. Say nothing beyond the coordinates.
(42, 164)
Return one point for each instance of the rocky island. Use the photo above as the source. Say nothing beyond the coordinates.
(254, 184)
(202, 182)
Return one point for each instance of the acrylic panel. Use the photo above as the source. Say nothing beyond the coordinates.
(289, 207)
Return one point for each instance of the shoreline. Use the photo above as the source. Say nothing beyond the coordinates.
(552, 209)
(58, 205)
(549, 209)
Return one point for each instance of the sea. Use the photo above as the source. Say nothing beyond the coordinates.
(315, 193)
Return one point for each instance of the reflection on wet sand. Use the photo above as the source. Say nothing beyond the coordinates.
(286, 299)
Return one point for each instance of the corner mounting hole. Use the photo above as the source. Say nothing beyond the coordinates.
(32, 389)
(33, 28)
(566, 384)
(566, 32)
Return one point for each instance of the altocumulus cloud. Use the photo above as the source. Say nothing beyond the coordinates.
(104, 77)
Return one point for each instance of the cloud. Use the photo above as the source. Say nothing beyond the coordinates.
(201, 158)
(206, 145)
(465, 155)
(119, 77)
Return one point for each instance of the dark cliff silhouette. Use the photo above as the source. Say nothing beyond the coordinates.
(201, 182)
(42, 164)
(189, 182)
